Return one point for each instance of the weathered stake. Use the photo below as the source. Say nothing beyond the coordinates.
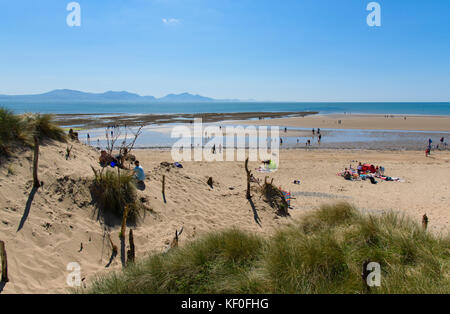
(124, 222)
(131, 254)
(36, 183)
(4, 262)
(164, 188)
(425, 222)
(249, 174)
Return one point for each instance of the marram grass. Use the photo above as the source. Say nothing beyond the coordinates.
(323, 253)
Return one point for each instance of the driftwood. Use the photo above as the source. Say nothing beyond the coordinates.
(131, 254)
(4, 278)
(425, 222)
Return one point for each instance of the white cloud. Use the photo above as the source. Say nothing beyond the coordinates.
(170, 21)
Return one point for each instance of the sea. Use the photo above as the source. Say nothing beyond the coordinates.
(410, 108)
(160, 136)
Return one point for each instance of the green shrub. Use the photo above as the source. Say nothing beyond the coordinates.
(325, 258)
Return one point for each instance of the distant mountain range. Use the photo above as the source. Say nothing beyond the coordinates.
(67, 95)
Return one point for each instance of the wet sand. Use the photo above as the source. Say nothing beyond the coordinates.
(91, 121)
(363, 122)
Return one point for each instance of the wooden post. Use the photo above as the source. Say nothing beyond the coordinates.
(425, 222)
(4, 262)
(36, 183)
(248, 179)
(124, 222)
(131, 254)
(164, 188)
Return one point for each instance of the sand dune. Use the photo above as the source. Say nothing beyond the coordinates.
(61, 215)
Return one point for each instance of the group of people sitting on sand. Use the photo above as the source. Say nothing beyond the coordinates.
(119, 160)
(73, 135)
(366, 172)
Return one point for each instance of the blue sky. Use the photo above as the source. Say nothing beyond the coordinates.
(288, 50)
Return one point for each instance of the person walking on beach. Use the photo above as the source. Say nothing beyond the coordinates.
(88, 139)
(320, 138)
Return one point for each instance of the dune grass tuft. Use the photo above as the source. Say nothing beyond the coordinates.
(113, 198)
(19, 130)
(12, 129)
(323, 253)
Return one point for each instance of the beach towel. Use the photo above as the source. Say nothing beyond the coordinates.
(287, 197)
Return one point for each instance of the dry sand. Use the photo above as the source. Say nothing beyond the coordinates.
(362, 122)
(61, 215)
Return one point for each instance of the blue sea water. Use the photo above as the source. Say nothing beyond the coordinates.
(413, 108)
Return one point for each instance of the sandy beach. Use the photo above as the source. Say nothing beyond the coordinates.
(58, 224)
